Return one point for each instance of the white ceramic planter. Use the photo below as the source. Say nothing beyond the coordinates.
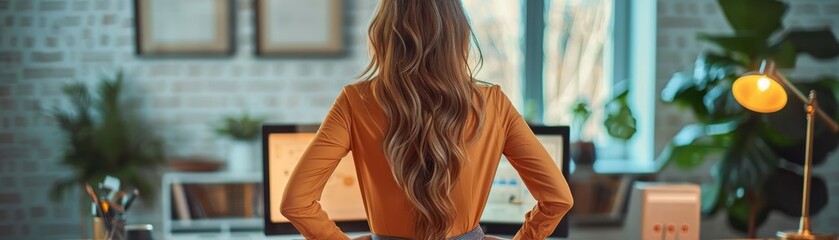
(242, 157)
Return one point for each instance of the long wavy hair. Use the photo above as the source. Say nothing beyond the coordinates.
(420, 71)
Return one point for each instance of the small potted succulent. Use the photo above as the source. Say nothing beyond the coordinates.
(243, 131)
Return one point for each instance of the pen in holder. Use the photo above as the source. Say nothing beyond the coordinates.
(113, 230)
(109, 209)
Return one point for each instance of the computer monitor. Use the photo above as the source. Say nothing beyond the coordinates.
(509, 200)
(282, 147)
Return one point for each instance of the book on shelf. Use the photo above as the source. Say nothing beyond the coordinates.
(196, 199)
(260, 207)
(201, 201)
(180, 203)
(621, 196)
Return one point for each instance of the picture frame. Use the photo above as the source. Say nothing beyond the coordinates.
(165, 28)
(299, 28)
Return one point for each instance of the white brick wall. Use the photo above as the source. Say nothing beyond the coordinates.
(46, 43)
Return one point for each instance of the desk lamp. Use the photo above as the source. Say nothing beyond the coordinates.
(764, 91)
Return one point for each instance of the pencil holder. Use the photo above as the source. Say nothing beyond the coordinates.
(108, 230)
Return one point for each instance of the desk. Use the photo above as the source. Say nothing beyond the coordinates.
(260, 236)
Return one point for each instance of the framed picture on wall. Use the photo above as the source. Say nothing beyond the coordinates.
(183, 27)
(295, 27)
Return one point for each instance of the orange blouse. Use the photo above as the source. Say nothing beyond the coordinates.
(357, 123)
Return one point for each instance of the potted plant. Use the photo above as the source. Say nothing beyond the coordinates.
(756, 153)
(590, 189)
(243, 131)
(619, 123)
(582, 151)
(102, 137)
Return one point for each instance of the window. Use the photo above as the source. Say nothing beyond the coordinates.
(548, 54)
(497, 26)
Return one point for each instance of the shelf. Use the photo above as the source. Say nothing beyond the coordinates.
(213, 177)
(217, 223)
(202, 228)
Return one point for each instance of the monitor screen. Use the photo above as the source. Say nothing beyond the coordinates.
(282, 148)
(509, 200)
(283, 145)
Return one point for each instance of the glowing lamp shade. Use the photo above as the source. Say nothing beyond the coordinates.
(759, 93)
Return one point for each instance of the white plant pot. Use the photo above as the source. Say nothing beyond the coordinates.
(241, 156)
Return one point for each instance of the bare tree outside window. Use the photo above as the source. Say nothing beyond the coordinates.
(577, 34)
(498, 25)
(577, 40)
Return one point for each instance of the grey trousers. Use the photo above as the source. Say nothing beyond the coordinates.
(475, 234)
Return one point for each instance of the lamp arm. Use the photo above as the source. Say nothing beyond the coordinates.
(803, 98)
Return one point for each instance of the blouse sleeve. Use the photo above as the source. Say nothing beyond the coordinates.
(301, 197)
(539, 173)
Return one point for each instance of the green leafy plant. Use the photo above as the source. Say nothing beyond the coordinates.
(753, 174)
(241, 128)
(620, 123)
(102, 138)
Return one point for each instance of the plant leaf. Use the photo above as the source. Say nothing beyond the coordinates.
(683, 91)
(746, 44)
(758, 17)
(819, 43)
(679, 83)
(738, 214)
(790, 124)
(784, 54)
(620, 123)
(707, 91)
(721, 103)
(694, 142)
(832, 84)
(711, 198)
(784, 191)
(748, 163)
(690, 156)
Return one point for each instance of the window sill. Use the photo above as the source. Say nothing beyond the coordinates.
(626, 167)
